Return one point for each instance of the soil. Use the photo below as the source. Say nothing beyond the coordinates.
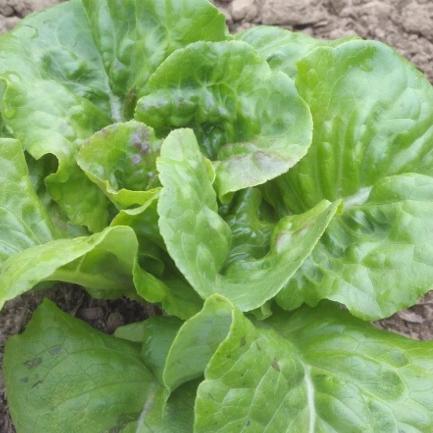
(406, 25)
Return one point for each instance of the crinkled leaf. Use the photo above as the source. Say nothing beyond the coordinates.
(23, 220)
(319, 370)
(376, 257)
(51, 77)
(248, 119)
(62, 70)
(120, 159)
(283, 48)
(62, 375)
(32, 250)
(373, 116)
(199, 240)
(134, 37)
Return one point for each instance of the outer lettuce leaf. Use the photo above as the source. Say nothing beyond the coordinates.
(121, 160)
(319, 370)
(377, 257)
(134, 37)
(175, 414)
(102, 263)
(199, 240)
(70, 58)
(63, 101)
(248, 119)
(61, 375)
(30, 248)
(283, 48)
(23, 219)
(373, 116)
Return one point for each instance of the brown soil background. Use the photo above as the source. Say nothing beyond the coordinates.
(404, 24)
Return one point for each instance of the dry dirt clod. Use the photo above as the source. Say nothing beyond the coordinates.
(243, 10)
(91, 314)
(418, 19)
(293, 12)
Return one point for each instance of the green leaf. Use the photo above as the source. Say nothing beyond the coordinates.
(176, 415)
(102, 263)
(135, 37)
(134, 332)
(233, 100)
(283, 48)
(157, 280)
(199, 240)
(23, 220)
(319, 370)
(61, 71)
(61, 375)
(32, 250)
(376, 257)
(372, 116)
(372, 148)
(69, 59)
(196, 342)
(158, 336)
(51, 77)
(120, 159)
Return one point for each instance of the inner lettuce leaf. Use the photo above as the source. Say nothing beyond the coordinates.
(200, 241)
(282, 48)
(248, 119)
(121, 160)
(54, 76)
(372, 148)
(156, 277)
(318, 370)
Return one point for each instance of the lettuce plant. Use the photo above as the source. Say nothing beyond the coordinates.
(271, 192)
